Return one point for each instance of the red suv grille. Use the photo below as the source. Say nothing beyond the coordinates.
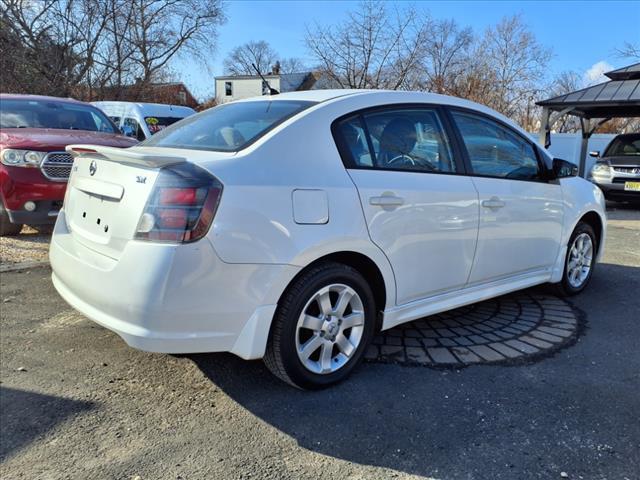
(57, 166)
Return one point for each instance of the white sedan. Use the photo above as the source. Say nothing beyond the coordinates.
(293, 227)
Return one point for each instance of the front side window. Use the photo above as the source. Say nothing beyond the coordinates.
(229, 127)
(398, 139)
(496, 151)
(16, 113)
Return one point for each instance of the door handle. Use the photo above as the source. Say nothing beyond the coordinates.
(386, 201)
(493, 202)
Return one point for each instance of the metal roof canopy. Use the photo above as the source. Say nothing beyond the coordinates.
(595, 105)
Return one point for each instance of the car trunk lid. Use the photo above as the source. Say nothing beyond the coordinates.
(107, 193)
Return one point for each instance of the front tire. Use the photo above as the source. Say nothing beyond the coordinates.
(579, 262)
(322, 327)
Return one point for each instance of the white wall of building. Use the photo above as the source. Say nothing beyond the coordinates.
(243, 88)
(567, 146)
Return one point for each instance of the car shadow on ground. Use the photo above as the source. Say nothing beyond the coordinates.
(26, 416)
(500, 419)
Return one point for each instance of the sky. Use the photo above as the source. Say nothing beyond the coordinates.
(583, 35)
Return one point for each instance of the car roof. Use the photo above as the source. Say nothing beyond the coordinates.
(627, 135)
(40, 98)
(382, 97)
(151, 109)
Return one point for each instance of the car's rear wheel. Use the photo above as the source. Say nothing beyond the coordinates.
(323, 324)
(580, 260)
(6, 227)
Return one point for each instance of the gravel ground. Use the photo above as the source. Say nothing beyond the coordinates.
(77, 403)
(30, 246)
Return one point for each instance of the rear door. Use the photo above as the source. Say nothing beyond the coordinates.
(420, 211)
(521, 214)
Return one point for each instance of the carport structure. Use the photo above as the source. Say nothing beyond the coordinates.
(617, 98)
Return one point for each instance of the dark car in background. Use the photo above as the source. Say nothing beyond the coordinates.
(617, 170)
(34, 166)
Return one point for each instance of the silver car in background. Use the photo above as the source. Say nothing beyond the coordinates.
(617, 171)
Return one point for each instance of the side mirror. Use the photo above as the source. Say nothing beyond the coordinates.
(564, 169)
(594, 154)
(128, 131)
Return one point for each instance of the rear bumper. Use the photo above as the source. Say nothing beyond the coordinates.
(170, 298)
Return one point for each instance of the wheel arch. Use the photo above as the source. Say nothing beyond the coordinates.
(595, 221)
(383, 288)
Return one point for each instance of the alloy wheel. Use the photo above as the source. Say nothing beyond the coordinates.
(330, 328)
(580, 260)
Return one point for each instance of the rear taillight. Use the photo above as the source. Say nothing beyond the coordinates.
(181, 206)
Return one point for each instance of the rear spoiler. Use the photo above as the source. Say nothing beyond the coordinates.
(125, 155)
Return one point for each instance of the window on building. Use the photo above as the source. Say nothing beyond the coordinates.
(228, 89)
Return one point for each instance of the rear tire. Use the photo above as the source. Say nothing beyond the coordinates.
(322, 326)
(579, 262)
(6, 227)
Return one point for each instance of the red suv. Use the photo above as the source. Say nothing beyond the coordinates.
(34, 166)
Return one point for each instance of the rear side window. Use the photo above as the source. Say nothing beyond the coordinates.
(496, 151)
(227, 128)
(396, 139)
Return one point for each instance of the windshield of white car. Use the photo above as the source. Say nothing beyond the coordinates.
(155, 124)
(624, 146)
(227, 128)
(54, 115)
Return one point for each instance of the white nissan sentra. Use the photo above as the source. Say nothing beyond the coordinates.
(293, 227)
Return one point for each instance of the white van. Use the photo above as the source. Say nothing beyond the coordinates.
(141, 120)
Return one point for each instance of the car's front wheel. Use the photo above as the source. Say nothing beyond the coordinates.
(323, 324)
(580, 260)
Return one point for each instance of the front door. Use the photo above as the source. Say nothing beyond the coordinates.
(419, 211)
(521, 214)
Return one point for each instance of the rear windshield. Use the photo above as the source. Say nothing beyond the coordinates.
(156, 124)
(626, 146)
(52, 114)
(229, 127)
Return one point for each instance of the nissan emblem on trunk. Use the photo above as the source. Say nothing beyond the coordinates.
(93, 167)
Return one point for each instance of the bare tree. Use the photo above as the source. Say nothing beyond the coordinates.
(446, 55)
(629, 50)
(292, 65)
(164, 28)
(240, 59)
(58, 39)
(371, 49)
(509, 66)
(83, 47)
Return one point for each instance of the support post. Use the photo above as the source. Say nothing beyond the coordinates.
(544, 127)
(585, 124)
(588, 127)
